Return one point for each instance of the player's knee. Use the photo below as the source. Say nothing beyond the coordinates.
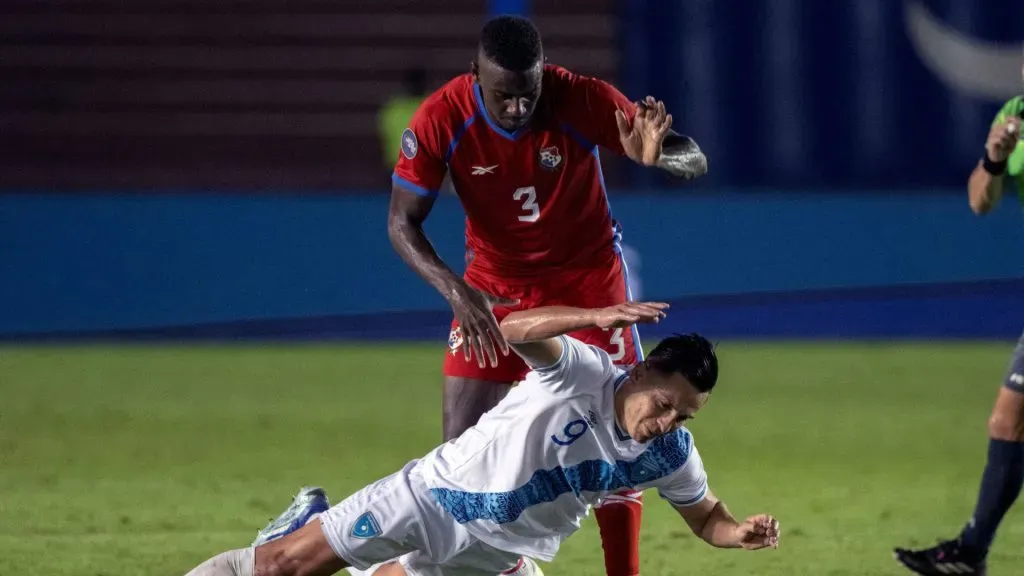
(1006, 424)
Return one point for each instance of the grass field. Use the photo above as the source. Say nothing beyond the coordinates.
(146, 460)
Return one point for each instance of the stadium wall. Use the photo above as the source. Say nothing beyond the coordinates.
(734, 264)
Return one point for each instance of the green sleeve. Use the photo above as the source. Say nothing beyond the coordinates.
(1015, 163)
(1013, 107)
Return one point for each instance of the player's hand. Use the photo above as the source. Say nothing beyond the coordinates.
(1002, 139)
(629, 313)
(481, 335)
(641, 140)
(757, 532)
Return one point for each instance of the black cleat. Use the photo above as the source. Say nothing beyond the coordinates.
(946, 559)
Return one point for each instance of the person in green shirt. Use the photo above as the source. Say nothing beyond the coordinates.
(397, 112)
(1004, 473)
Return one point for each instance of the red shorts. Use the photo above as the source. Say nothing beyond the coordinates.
(591, 288)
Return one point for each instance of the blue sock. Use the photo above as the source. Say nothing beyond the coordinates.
(1000, 485)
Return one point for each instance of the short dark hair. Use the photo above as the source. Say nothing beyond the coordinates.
(415, 80)
(512, 42)
(688, 354)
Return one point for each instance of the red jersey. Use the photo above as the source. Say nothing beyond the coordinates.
(535, 199)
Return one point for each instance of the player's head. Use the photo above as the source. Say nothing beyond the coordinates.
(668, 387)
(415, 81)
(509, 67)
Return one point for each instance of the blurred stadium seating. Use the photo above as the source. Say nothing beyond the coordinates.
(233, 94)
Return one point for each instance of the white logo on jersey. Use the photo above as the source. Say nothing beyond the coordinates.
(481, 170)
(550, 157)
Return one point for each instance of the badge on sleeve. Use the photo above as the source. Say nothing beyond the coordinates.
(409, 144)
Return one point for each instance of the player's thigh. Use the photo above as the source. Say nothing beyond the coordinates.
(378, 523)
(510, 368)
(478, 559)
(465, 400)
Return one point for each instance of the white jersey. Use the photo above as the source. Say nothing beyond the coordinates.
(526, 475)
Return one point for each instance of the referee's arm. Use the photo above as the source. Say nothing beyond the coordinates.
(985, 186)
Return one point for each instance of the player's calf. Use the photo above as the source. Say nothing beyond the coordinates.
(1003, 477)
(1001, 484)
(301, 553)
(619, 518)
(232, 563)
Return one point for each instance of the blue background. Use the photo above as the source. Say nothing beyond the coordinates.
(811, 94)
(765, 263)
(834, 205)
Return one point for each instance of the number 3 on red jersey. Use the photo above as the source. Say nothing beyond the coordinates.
(528, 197)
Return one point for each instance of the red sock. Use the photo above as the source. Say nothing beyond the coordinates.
(618, 517)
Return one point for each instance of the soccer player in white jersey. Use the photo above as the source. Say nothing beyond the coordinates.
(522, 479)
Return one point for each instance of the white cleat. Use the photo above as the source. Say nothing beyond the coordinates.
(309, 503)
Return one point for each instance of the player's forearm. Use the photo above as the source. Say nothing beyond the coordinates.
(984, 190)
(721, 530)
(682, 157)
(545, 322)
(412, 244)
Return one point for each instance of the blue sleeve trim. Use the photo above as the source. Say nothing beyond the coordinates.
(458, 136)
(578, 137)
(414, 188)
(686, 503)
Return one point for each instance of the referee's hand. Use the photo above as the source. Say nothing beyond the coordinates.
(1002, 139)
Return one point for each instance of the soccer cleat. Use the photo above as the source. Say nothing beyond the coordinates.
(526, 567)
(948, 558)
(308, 503)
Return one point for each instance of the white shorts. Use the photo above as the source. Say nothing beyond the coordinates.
(397, 518)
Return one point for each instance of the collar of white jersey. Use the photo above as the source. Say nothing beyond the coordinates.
(619, 432)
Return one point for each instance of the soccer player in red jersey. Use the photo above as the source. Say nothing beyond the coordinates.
(519, 139)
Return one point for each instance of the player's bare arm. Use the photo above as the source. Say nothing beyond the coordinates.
(406, 215)
(711, 521)
(650, 141)
(985, 186)
(533, 334)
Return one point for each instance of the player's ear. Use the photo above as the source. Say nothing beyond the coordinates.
(640, 372)
(474, 69)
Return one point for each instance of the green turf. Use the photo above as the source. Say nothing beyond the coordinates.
(147, 460)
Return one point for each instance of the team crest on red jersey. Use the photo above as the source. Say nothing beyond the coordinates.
(455, 340)
(550, 157)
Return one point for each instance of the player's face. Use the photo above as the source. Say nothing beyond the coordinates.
(657, 404)
(510, 97)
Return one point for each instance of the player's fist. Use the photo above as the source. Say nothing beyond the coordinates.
(629, 313)
(757, 532)
(1002, 139)
(641, 139)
